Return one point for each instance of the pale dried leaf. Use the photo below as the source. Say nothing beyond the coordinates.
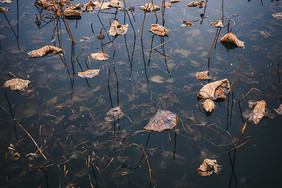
(208, 105)
(149, 7)
(44, 50)
(168, 4)
(17, 84)
(73, 7)
(217, 23)
(114, 114)
(118, 29)
(215, 90)
(88, 7)
(115, 4)
(161, 121)
(277, 15)
(100, 56)
(90, 73)
(259, 111)
(2, 9)
(279, 110)
(200, 4)
(68, 12)
(204, 75)
(187, 24)
(158, 29)
(208, 167)
(6, 1)
(231, 38)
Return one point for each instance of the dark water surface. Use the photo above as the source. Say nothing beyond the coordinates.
(65, 114)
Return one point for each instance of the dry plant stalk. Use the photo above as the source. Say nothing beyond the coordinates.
(250, 92)
(235, 76)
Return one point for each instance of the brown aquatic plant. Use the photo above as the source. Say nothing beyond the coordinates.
(2, 9)
(208, 105)
(208, 167)
(44, 50)
(187, 24)
(204, 75)
(149, 7)
(200, 4)
(277, 15)
(215, 90)
(114, 114)
(72, 13)
(17, 84)
(100, 56)
(279, 110)
(259, 109)
(158, 29)
(217, 23)
(161, 121)
(231, 38)
(90, 73)
(118, 29)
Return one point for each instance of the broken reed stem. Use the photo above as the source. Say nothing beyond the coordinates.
(117, 86)
(154, 10)
(236, 85)
(79, 53)
(32, 140)
(211, 49)
(160, 45)
(175, 133)
(242, 132)
(129, 17)
(89, 62)
(108, 47)
(145, 12)
(232, 25)
(248, 139)
(235, 76)
(249, 93)
(163, 10)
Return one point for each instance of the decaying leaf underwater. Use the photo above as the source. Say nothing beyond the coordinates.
(114, 114)
(17, 84)
(161, 121)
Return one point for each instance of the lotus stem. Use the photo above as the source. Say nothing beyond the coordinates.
(249, 93)
(160, 45)
(211, 49)
(242, 132)
(235, 76)
(154, 10)
(248, 139)
(79, 53)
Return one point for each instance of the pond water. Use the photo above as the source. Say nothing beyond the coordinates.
(65, 114)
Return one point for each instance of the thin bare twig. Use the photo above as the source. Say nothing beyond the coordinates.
(249, 93)
(235, 76)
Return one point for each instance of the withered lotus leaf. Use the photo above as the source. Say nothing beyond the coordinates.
(46, 4)
(259, 108)
(114, 114)
(208, 105)
(68, 12)
(44, 50)
(231, 38)
(193, 4)
(115, 4)
(200, 4)
(88, 7)
(187, 23)
(90, 73)
(204, 75)
(217, 23)
(73, 7)
(279, 110)
(17, 84)
(167, 4)
(2, 9)
(277, 15)
(118, 29)
(158, 29)
(174, 1)
(100, 56)
(208, 167)
(161, 121)
(215, 90)
(149, 7)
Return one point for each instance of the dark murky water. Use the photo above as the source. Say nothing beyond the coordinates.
(65, 114)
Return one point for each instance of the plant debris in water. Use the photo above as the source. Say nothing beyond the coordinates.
(215, 90)
(114, 114)
(279, 110)
(259, 109)
(231, 38)
(204, 75)
(118, 29)
(208, 167)
(17, 84)
(217, 23)
(199, 4)
(187, 24)
(90, 73)
(208, 105)
(149, 7)
(161, 121)
(100, 56)
(158, 29)
(44, 50)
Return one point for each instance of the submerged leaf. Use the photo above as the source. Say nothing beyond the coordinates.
(208, 167)
(118, 29)
(279, 110)
(114, 114)
(157, 79)
(231, 38)
(90, 73)
(17, 84)
(204, 75)
(217, 23)
(215, 90)
(100, 56)
(158, 29)
(149, 7)
(44, 50)
(161, 121)
(208, 105)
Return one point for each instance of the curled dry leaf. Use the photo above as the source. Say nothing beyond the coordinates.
(114, 114)
(215, 90)
(231, 38)
(115, 4)
(100, 56)
(187, 23)
(158, 29)
(259, 108)
(88, 7)
(168, 4)
(208, 167)
(277, 15)
(72, 13)
(90, 73)
(203, 75)
(44, 50)
(149, 7)
(118, 29)
(74, 7)
(161, 121)
(2, 9)
(17, 84)
(47, 4)
(279, 110)
(200, 4)
(208, 105)
(217, 23)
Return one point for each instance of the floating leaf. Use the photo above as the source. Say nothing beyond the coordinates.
(115, 4)
(187, 23)
(88, 7)
(149, 7)
(158, 29)
(203, 75)
(161, 121)
(217, 23)
(90, 73)
(208, 105)
(2, 9)
(6, 1)
(208, 167)
(174, 1)
(259, 108)
(279, 110)
(200, 4)
(118, 29)
(17, 84)
(100, 56)
(157, 79)
(73, 7)
(167, 4)
(231, 38)
(44, 50)
(114, 114)
(277, 15)
(71, 13)
(215, 90)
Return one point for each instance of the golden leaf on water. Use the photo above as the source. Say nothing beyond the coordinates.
(100, 56)
(72, 13)
(90, 73)
(17, 84)
(2, 9)
(217, 23)
(187, 23)
(215, 90)
(44, 50)
(231, 38)
(161, 121)
(259, 108)
(114, 114)
(279, 110)
(118, 29)
(158, 29)
(208, 167)
(208, 105)
(204, 75)
(149, 7)
(277, 15)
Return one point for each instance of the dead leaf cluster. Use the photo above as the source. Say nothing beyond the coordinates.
(149, 7)
(90, 73)
(17, 84)
(118, 29)
(231, 38)
(208, 167)
(259, 109)
(44, 50)
(158, 29)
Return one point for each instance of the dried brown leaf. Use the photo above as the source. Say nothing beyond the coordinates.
(187, 23)
(149, 7)
(279, 110)
(114, 114)
(158, 29)
(231, 38)
(204, 75)
(100, 56)
(259, 111)
(90, 73)
(118, 29)
(277, 15)
(161, 121)
(72, 13)
(17, 84)
(217, 23)
(208, 105)
(208, 167)
(215, 90)
(44, 50)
